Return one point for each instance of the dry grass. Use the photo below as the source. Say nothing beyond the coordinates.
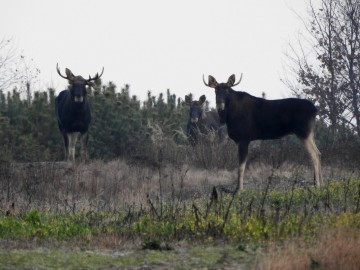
(291, 258)
(338, 250)
(334, 250)
(99, 185)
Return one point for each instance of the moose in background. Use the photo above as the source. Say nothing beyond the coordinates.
(201, 121)
(73, 113)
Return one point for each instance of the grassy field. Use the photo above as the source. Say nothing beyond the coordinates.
(335, 250)
(199, 257)
(123, 215)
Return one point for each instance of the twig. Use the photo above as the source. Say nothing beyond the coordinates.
(152, 206)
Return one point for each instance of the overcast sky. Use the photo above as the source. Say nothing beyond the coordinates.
(157, 44)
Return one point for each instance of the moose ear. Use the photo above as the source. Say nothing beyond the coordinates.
(212, 82)
(187, 100)
(231, 80)
(69, 74)
(202, 99)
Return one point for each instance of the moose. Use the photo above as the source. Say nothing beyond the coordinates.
(250, 118)
(73, 114)
(201, 121)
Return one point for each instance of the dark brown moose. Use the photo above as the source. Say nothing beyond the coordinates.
(250, 118)
(73, 112)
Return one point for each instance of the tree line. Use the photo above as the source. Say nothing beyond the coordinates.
(121, 124)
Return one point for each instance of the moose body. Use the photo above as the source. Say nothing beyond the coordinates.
(250, 118)
(73, 113)
(201, 121)
(73, 119)
(72, 116)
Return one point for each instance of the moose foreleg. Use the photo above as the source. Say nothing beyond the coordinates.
(84, 137)
(72, 143)
(66, 144)
(242, 152)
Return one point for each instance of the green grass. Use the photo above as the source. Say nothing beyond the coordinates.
(180, 258)
(253, 217)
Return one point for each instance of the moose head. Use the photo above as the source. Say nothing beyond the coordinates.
(78, 84)
(221, 92)
(196, 108)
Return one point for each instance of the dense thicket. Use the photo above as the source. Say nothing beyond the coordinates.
(121, 125)
(148, 131)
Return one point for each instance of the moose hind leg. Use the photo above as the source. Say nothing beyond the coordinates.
(242, 152)
(315, 157)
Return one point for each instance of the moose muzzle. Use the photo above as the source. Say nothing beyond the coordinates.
(79, 98)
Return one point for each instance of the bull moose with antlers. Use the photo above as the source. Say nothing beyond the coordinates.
(73, 112)
(251, 118)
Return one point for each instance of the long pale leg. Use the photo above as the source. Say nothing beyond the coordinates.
(315, 156)
(242, 152)
(72, 143)
(66, 144)
(83, 146)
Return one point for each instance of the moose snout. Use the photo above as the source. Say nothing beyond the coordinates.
(79, 98)
(194, 119)
(220, 106)
(222, 115)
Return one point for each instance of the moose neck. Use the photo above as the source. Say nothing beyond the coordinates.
(232, 100)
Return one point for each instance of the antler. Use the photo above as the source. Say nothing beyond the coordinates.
(58, 71)
(212, 82)
(204, 81)
(239, 80)
(97, 76)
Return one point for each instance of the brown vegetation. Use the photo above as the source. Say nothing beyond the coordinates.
(334, 250)
(99, 185)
